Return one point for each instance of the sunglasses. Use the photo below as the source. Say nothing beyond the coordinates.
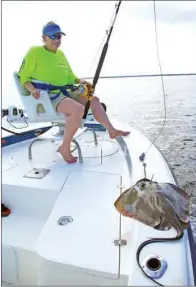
(55, 36)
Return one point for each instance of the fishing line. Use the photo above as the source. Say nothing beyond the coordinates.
(142, 156)
(101, 44)
(101, 61)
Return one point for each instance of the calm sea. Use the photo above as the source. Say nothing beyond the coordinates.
(139, 102)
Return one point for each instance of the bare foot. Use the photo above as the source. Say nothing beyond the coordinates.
(115, 133)
(66, 154)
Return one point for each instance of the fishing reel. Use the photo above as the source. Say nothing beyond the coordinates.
(86, 90)
(12, 113)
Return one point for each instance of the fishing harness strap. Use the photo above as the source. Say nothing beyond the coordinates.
(49, 87)
(83, 89)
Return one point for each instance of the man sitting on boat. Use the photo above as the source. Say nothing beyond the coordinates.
(46, 67)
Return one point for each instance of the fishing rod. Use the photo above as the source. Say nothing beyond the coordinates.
(101, 60)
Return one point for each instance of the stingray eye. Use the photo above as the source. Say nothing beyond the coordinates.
(128, 207)
(143, 185)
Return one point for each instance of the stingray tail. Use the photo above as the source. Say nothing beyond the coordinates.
(154, 240)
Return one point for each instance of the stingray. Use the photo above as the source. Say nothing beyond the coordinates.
(159, 205)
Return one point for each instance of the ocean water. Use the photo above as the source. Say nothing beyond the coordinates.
(139, 102)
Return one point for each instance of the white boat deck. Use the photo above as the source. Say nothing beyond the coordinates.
(91, 208)
(86, 192)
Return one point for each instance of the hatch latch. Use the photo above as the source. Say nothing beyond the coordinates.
(120, 242)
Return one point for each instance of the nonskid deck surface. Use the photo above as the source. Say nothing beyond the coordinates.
(107, 156)
(86, 192)
(41, 194)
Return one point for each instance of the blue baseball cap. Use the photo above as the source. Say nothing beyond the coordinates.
(52, 29)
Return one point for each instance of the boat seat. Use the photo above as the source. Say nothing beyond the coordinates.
(48, 115)
(31, 105)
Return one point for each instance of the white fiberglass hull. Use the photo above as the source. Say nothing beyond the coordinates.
(36, 250)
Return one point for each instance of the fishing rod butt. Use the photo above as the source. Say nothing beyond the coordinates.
(86, 110)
